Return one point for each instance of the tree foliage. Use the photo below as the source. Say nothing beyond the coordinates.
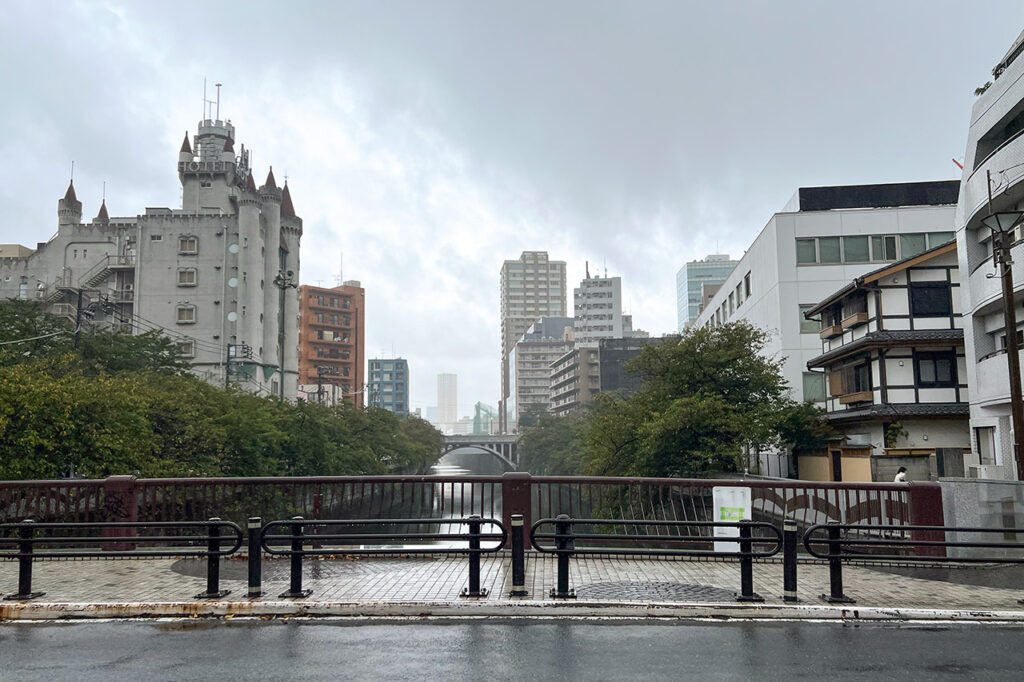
(706, 395)
(121, 404)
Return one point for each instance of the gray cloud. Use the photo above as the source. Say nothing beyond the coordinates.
(431, 141)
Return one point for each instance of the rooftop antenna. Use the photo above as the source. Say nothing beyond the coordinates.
(204, 98)
(341, 268)
(218, 99)
(104, 191)
(586, 265)
(72, 170)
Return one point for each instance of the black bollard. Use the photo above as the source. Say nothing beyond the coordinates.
(518, 557)
(25, 548)
(213, 590)
(474, 560)
(746, 565)
(295, 588)
(835, 568)
(564, 546)
(255, 529)
(789, 540)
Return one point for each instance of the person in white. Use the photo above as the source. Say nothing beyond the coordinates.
(901, 475)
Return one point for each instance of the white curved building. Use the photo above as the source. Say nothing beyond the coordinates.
(995, 147)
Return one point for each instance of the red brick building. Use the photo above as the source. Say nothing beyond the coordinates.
(331, 342)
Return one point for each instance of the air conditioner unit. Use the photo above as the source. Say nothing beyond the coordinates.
(129, 287)
(985, 471)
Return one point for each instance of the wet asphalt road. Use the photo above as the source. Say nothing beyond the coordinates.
(506, 650)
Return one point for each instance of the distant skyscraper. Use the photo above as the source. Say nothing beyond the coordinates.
(389, 385)
(447, 400)
(713, 270)
(530, 363)
(531, 287)
(597, 306)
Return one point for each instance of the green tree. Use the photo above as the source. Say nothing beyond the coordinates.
(553, 446)
(706, 395)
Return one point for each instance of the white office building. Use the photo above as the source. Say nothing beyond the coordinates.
(824, 238)
(597, 310)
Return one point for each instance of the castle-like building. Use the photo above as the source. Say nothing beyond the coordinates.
(218, 275)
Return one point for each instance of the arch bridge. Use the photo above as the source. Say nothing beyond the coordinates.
(501, 446)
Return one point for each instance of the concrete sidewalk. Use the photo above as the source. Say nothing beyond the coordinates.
(430, 586)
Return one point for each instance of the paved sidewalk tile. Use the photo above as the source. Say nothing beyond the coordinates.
(441, 579)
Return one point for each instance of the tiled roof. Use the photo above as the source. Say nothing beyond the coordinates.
(898, 410)
(927, 337)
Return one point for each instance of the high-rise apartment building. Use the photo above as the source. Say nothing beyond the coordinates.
(545, 341)
(597, 308)
(331, 342)
(447, 401)
(388, 385)
(217, 275)
(531, 287)
(694, 280)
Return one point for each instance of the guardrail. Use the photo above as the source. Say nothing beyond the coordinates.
(926, 543)
(30, 535)
(295, 538)
(565, 538)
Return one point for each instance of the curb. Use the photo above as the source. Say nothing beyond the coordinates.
(30, 611)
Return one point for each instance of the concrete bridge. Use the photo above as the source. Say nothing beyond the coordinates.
(503, 447)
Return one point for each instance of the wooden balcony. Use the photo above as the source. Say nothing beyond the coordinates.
(829, 332)
(854, 320)
(858, 397)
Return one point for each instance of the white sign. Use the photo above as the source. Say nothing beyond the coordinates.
(731, 505)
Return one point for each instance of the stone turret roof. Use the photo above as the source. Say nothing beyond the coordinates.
(185, 146)
(70, 194)
(287, 210)
(102, 216)
(270, 183)
(250, 184)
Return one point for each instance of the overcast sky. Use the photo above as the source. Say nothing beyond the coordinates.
(429, 141)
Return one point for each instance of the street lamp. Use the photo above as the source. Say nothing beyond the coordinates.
(1002, 225)
(282, 281)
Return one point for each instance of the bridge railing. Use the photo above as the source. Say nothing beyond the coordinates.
(127, 499)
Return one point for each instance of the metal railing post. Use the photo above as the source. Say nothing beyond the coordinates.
(26, 531)
(474, 560)
(746, 565)
(295, 579)
(518, 557)
(835, 568)
(255, 528)
(789, 541)
(213, 590)
(564, 545)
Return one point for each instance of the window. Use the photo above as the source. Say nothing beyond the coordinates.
(851, 379)
(187, 349)
(810, 326)
(937, 238)
(828, 250)
(935, 369)
(732, 302)
(855, 250)
(857, 302)
(912, 244)
(883, 247)
(156, 237)
(746, 285)
(320, 300)
(814, 386)
(320, 317)
(188, 245)
(186, 314)
(806, 252)
(930, 299)
(334, 302)
(986, 437)
(187, 277)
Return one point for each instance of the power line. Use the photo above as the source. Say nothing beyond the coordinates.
(33, 338)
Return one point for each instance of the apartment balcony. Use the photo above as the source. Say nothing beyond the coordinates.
(993, 384)
(1006, 164)
(857, 397)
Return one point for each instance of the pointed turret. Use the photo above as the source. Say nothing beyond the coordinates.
(250, 184)
(229, 145)
(102, 216)
(287, 210)
(186, 148)
(69, 209)
(270, 183)
(69, 196)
